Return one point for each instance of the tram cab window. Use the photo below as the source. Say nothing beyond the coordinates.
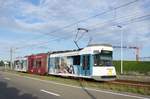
(103, 59)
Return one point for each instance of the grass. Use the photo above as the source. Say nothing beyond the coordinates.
(133, 67)
(90, 84)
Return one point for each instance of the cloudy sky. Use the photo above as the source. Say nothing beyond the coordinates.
(35, 26)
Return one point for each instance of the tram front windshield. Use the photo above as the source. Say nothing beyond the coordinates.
(103, 59)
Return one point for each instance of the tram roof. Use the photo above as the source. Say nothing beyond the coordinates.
(65, 51)
(108, 45)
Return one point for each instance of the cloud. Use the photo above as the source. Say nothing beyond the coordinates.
(34, 18)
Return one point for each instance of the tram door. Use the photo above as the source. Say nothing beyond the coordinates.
(86, 65)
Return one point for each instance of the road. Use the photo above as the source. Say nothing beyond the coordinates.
(14, 86)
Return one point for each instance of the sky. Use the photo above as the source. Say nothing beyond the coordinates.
(37, 26)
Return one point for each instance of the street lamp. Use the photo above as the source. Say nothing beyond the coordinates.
(119, 26)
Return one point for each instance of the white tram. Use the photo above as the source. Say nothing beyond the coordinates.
(93, 61)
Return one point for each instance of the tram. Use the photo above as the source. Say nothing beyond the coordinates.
(21, 64)
(93, 61)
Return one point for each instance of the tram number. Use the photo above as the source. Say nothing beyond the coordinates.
(109, 72)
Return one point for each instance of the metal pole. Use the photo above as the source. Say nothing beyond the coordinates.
(121, 52)
(121, 49)
(11, 55)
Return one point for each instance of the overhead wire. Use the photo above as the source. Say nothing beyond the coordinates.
(45, 42)
(133, 20)
(59, 38)
(130, 21)
(83, 20)
(62, 37)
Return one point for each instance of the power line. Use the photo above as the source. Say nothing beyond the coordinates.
(129, 22)
(103, 25)
(94, 16)
(58, 38)
(133, 20)
(113, 20)
(102, 13)
(85, 19)
(41, 43)
(129, 19)
(69, 36)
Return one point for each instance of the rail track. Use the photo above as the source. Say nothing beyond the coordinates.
(131, 83)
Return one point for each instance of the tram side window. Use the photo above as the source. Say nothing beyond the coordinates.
(96, 60)
(38, 63)
(76, 60)
(86, 62)
(57, 62)
(32, 63)
(17, 63)
(52, 62)
(22, 62)
(25, 63)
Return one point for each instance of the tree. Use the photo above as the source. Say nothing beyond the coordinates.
(1, 63)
